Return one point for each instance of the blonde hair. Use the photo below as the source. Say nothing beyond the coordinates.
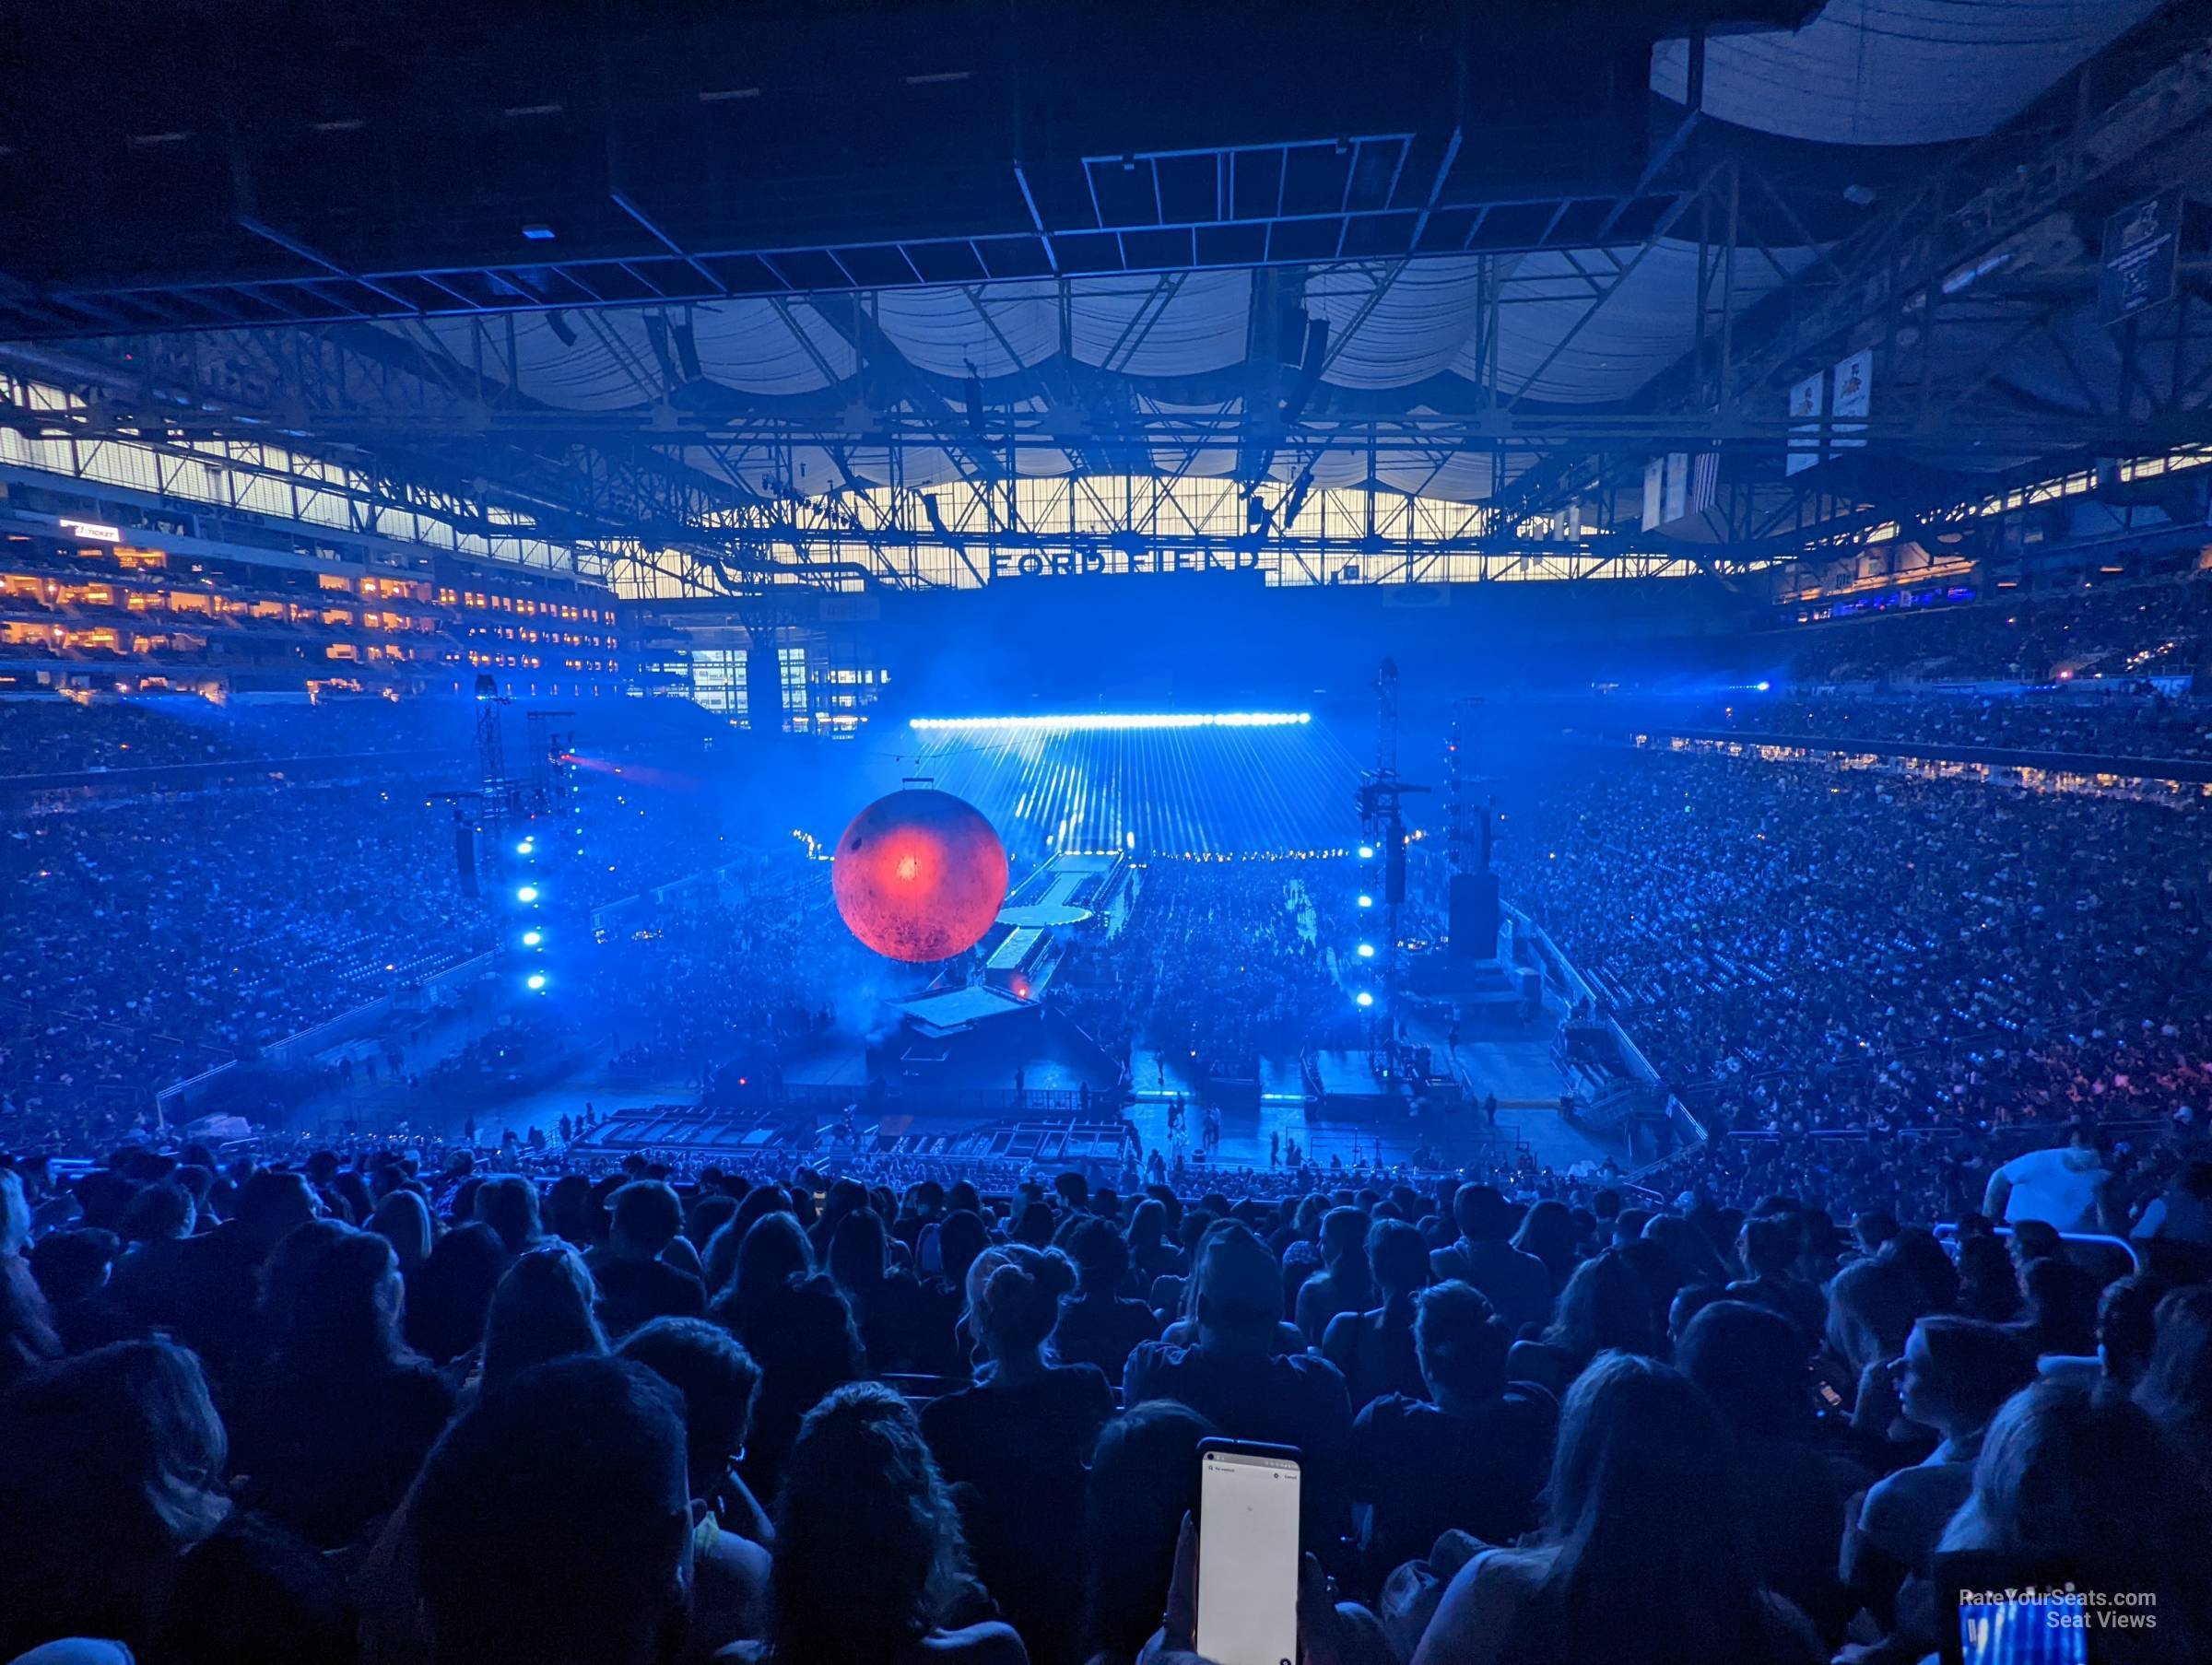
(1014, 1296)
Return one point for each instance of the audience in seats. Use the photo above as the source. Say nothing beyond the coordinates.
(1232, 1374)
(112, 1463)
(333, 1360)
(1015, 1445)
(1098, 1325)
(636, 1281)
(2091, 1480)
(1344, 1283)
(1607, 1306)
(1644, 1552)
(544, 1308)
(1375, 1351)
(553, 1523)
(1751, 1361)
(1736, 1434)
(1467, 1453)
(1517, 1284)
(1955, 1374)
(1142, 1487)
(871, 1566)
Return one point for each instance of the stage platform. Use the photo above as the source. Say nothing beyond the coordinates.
(958, 1011)
(826, 1087)
(1516, 1065)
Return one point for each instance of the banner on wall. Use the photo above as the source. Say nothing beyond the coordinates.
(1679, 484)
(1675, 500)
(1855, 397)
(1808, 400)
(1704, 480)
(2138, 267)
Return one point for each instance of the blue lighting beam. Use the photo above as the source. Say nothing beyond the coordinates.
(1099, 723)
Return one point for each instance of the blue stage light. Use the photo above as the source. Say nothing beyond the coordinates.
(524, 848)
(1364, 998)
(1367, 852)
(534, 981)
(1091, 723)
(532, 938)
(1763, 687)
(1367, 951)
(528, 893)
(1366, 901)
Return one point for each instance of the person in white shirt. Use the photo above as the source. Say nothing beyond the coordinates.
(2063, 1186)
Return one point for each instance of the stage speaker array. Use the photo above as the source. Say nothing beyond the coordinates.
(1475, 916)
(763, 691)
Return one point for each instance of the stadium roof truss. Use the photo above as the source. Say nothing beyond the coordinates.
(1351, 360)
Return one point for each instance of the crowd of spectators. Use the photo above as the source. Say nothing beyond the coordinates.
(2094, 627)
(46, 733)
(1802, 948)
(1220, 963)
(361, 1409)
(385, 1403)
(2139, 722)
(736, 973)
(158, 933)
(150, 940)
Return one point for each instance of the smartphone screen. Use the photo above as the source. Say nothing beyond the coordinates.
(2013, 1610)
(1248, 1558)
(2008, 1630)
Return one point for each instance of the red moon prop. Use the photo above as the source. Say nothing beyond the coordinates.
(919, 876)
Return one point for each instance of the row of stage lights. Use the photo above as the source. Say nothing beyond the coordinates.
(530, 897)
(527, 895)
(1365, 998)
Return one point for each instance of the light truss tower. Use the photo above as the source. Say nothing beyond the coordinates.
(497, 793)
(1381, 805)
(1468, 809)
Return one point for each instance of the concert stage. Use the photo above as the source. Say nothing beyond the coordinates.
(825, 1105)
(799, 1136)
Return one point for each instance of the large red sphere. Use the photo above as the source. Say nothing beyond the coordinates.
(919, 876)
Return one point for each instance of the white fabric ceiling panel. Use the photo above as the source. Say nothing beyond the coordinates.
(1897, 72)
(1459, 476)
(1202, 462)
(764, 469)
(1186, 325)
(758, 347)
(1334, 469)
(1594, 326)
(1044, 462)
(600, 371)
(999, 328)
(1409, 331)
(1207, 444)
(610, 363)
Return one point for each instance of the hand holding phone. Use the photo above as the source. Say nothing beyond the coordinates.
(1324, 1635)
(1248, 1556)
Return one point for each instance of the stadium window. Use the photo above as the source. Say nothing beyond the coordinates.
(792, 666)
